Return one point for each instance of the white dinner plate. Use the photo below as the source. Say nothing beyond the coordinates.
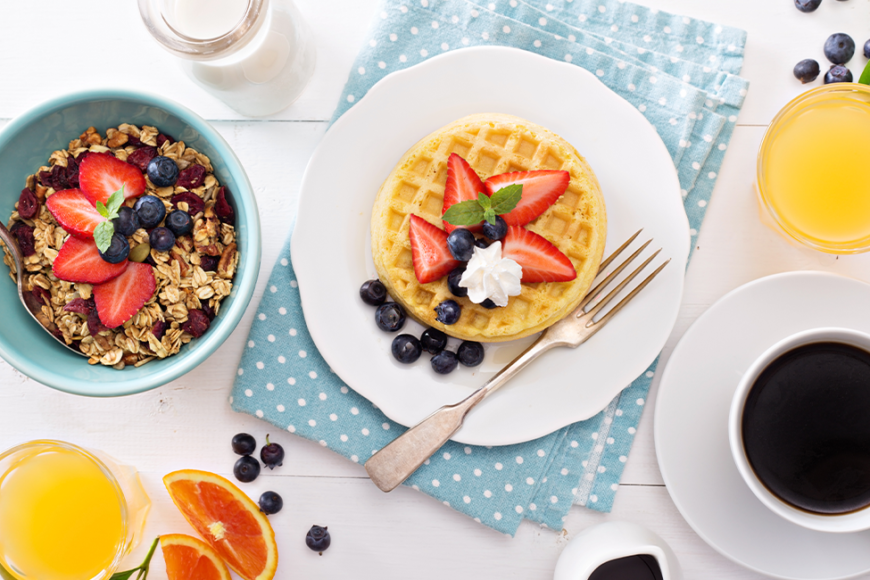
(331, 247)
(691, 424)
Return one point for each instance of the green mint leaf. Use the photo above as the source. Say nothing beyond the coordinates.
(484, 201)
(506, 199)
(865, 76)
(124, 575)
(142, 569)
(101, 209)
(103, 235)
(466, 213)
(114, 203)
(489, 215)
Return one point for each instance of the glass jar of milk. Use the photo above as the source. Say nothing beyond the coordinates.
(255, 55)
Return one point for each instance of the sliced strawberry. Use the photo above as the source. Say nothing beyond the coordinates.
(80, 261)
(74, 212)
(121, 298)
(540, 260)
(463, 184)
(541, 189)
(432, 259)
(102, 174)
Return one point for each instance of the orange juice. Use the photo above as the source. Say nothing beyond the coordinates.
(63, 515)
(814, 168)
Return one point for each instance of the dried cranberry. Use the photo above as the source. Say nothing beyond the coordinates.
(72, 169)
(209, 263)
(161, 139)
(134, 141)
(149, 260)
(197, 323)
(192, 177)
(141, 157)
(41, 294)
(209, 311)
(24, 236)
(222, 207)
(28, 205)
(194, 202)
(78, 305)
(158, 329)
(56, 178)
(95, 325)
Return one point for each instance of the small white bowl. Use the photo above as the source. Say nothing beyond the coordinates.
(842, 523)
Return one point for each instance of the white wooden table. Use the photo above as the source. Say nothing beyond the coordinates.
(48, 47)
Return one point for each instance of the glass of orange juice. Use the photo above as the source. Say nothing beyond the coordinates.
(67, 513)
(814, 168)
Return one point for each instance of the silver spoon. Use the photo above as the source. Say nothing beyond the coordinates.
(31, 303)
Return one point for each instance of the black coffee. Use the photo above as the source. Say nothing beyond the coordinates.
(640, 567)
(806, 428)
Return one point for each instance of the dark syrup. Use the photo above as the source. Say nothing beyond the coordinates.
(640, 567)
(806, 428)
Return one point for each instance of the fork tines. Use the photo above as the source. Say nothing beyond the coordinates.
(581, 309)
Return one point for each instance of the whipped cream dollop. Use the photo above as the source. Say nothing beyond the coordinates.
(489, 275)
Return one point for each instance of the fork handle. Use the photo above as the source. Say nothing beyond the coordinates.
(395, 462)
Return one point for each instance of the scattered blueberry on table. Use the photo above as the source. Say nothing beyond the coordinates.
(807, 70)
(318, 539)
(838, 74)
(433, 340)
(445, 362)
(244, 444)
(272, 454)
(867, 49)
(373, 292)
(406, 348)
(807, 5)
(270, 503)
(470, 353)
(246, 469)
(839, 48)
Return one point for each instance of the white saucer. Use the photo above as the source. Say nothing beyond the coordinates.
(331, 245)
(691, 424)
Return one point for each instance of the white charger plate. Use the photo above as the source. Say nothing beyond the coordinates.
(691, 424)
(331, 245)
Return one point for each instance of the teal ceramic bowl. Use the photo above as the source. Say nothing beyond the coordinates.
(25, 145)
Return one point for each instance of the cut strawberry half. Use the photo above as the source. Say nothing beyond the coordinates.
(79, 261)
(541, 189)
(120, 298)
(102, 174)
(432, 259)
(540, 260)
(463, 184)
(74, 212)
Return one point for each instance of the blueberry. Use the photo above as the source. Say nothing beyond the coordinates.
(246, 469)
(270, 503)
(448, 312)
(838, 74)
(433, 340)
(806, 70)
(867, 49)
(373, 292)
(839, 48)
(150, 211)
(453, 282)
(481, 243)
(272, 454)
(470, 353)
(244, 444)
(460, 242)
(406, 348)
(161, 239)
(444, 362)
(127, 221)
(117, 251)
(318, 539)
(495, 231)
(179, 222)
(390, 317)
(807, 5)
(162, 171)
(489, 304)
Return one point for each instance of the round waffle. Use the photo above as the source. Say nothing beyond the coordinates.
(492, 143)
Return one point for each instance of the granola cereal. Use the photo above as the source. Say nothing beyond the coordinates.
(192, 277)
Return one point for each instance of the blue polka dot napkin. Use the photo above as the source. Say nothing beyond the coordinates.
(681, 73)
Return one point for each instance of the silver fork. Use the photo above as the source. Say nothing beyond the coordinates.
(396, 461)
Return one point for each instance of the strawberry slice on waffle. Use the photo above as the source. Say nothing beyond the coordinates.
(540, 260)
(463, 184)
(432, 260)
(541, 189)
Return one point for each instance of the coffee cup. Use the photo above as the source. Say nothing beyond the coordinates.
(799, 429)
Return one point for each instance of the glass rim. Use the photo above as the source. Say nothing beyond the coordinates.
(202, 48)
(121, 547)
(783, 115)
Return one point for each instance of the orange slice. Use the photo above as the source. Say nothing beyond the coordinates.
(188, 558)
(228, 520)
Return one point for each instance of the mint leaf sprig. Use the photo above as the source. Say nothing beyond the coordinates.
(105, 230)
(865, 76)
(474, 211)
(142, 569)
